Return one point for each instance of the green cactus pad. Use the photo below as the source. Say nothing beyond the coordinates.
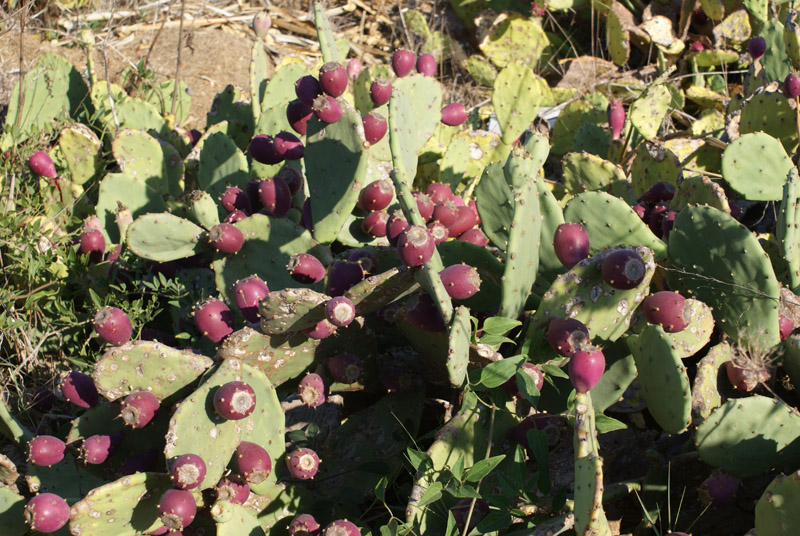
(748, 436)
(696, 335)
(654, 163)
(552, 217)
(362, 84)
(720, 262)
(136, 114)
(81, 152)
(489, 269)
(699, 190)
(618, 39)
(280, 88)
(259, 76)
(705, 394)
(610, 221)
(202, 209)
(100, 419)
(515, 38)
(291, 309)
(665, 384)
(516, 96)
(584, 171)
(139, 155)
(327, 42)
(786, 228)
(66, 479)
(648, 111)
(221, 164)
(469, 152)
(12, 508)
(133, 193)
(424, 95)
(589, 515)
(734, 28)
(458, 346)
(379, 290)
(776, 510)
(756, 179)
(403, 152)
(161, 97)
(495, 204)
(589, 109)
(481, 70)
(620, 372)
(235, 520)
(791, 38)
(163, 237)
(230, 105)
(771, 113)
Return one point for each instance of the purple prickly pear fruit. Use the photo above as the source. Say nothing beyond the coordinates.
(140, 463)
(345, 368)
(293, 179)
(303, 463)
(425, 205)
(42, 164)
(756, 47)
(113, 325)
(475, 236)
(461, 281)
(364, 257)
(342, 275)
(376, 195)
(327, 109)
(719, 490)
(187, 471)
(252, 193)
(616, 118)
(667, 223)
(234, 400)
(214, 319)
(461, 512)
(643, 211)
(312, 390)
(623, 269)
(305, 268)
(454, 114)
(45, 450)
(395, 225)
(252, 462)
(571, 244)
(403, 62)
(307, 220)
(275, 196)
(474, 208)
(262, 22)
(288, 146)
(446, 212)
(465, 221)
(340, 311)
(426, 64)
(422, 313)
(321, 330)
(47, 512)
(668, 310)
(307, 89)
(235, 199)
(457, 201)
(353, 68)
(194, 136)
(791, 85)
(566, 335)
(79, 389)
(93, 243)
(92, 223)
(139, 408)
(304, 525)
(333, 78)
(438, 231)
(247, 293)
(374, 223)
(375, 127)
(380, 91)
(226, 238)
(177, 509)
(262, 149)
(415, 246)
(298, 114)
(398, 378)
(233, 488)
(785, 325)
(747, 377)
(586, 367)
(439, 192)
(96, 449)
(660, 192)
(697, 46)
(235, 216)
(656, 219)
(342, 527)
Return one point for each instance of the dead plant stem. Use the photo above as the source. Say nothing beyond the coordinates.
(176, 87)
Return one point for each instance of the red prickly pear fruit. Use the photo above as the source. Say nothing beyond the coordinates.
(439, 192)
(42, 164)
(660, 192)
(93, 243)
(457, 201)
(333, 78)
(375, 127)
(425, 205)
(668, 310)
(461, 281)
(403, 62)
(306, 268)
(465, 221)
(454, 114)
(304, 525)
(288, 146)
(194, 136)
(376, 195)
(623, 269)
(422, 313)
(47, 512)
(616, 118)
(341, 527)
(415, 246)
(461, 512)
(586, 367)
(306, 218)
(340, 311)
(177, 509)
(293, 179)
(233, 488)
(657, 215)
(235, 216)
(537, 10)
(187, 471)
(719, 490)
(307, 89)
(262, 22)
(275, 196)
(426, 65)
(697, 46)
(113, 325)
(785, 325)
(395, 225)
(380, 91)
(139, 408)
(791, 85)
(374, 223)
(438, 231)
(364, 257)
(226, 238)
(571, 244)
(353, 68)
(745, 378)
(92, 223)
(97, 449)
(667, 223)
(262, 149)
(45, 450)
(298, 114)
(234, 400)
(474, 209)
(446, 212)
(312, 390)
(345, 368)
(235, 199)
(252, 462)
(321, 330)
(303, 463)
(214, 319)
(327, 109)
(535, 372)
(567, 335)
(79, 389)
(474, 236)
(643, 211)
(757, 47)
(248, 293)
(342, 275)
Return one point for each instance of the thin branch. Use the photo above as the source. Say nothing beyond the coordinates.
(176, 87)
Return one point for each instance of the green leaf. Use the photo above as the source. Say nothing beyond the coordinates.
(432, 494)
(494, 341)
(604, 423)
(483, 468)
(296, 435)
(380, 489)
(498, 325)
(527, 387)
(458, 468)
(466, 492)
(557, 372)
(538, 441)
(493, 522)
(495, 374)
(417, 458)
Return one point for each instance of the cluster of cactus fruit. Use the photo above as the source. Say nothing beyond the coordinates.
(330, 274)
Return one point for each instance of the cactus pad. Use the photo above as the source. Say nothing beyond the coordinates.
(163, 237)
(756, 179)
